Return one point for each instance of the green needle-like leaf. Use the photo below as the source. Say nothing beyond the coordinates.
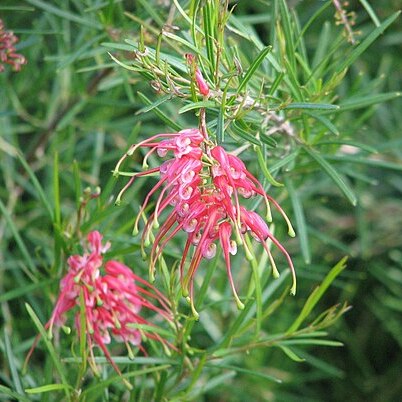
(333, 174)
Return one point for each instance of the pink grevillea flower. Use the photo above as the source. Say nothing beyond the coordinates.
(111, 301)
(203, 186)
(7, 50)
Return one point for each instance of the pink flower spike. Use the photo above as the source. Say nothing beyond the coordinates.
(112, 301)
(203, 184)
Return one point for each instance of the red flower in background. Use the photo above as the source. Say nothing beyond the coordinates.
(7, 50)
(203, 185)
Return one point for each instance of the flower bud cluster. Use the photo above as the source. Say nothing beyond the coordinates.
(202, 184)
(7, 50)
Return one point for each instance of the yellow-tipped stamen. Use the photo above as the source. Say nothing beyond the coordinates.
(152, 275)
(269, 213)
(121, 160)
(239, 239)
(155, 223)
(145, 160)
(291, 231)
(193, 310)
(275, 272)
(127, 384)
(123, 190)
(147, 240)
(239, 303)
(144, 255)
(116, 321)
(77, 278)
(166, 350)
(92, 363)
(293, 288)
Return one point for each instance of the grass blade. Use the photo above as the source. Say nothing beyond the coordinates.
(11, 363)
(7, 391)
(47, 388)
(370, 12)
(41, 194)
(114, 379)
(20, 243)
(45, 6)
(57, 362)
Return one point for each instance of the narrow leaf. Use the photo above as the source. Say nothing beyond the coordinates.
(60, 12)
(209, 35)
(114, 379)
(334, 175)
(20, 243)
(265, 170)
(307, 105)
(289, 353)
(325, 122)
(197, 105)
(316, 295)
(12, 363)
(47, 388)
(245, 134)
(157, 103)
(41, 194)
(7, 391)
(253, 67)
(365, 101)
(356, 144)
(160, 114)
(50, 349)
(300, 220)
(370, 12)
(367, 42)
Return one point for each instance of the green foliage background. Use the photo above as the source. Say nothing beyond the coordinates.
(72, 112)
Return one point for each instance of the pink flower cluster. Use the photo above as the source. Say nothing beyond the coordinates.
(7, 50)
(112, 301)
(204, 184)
